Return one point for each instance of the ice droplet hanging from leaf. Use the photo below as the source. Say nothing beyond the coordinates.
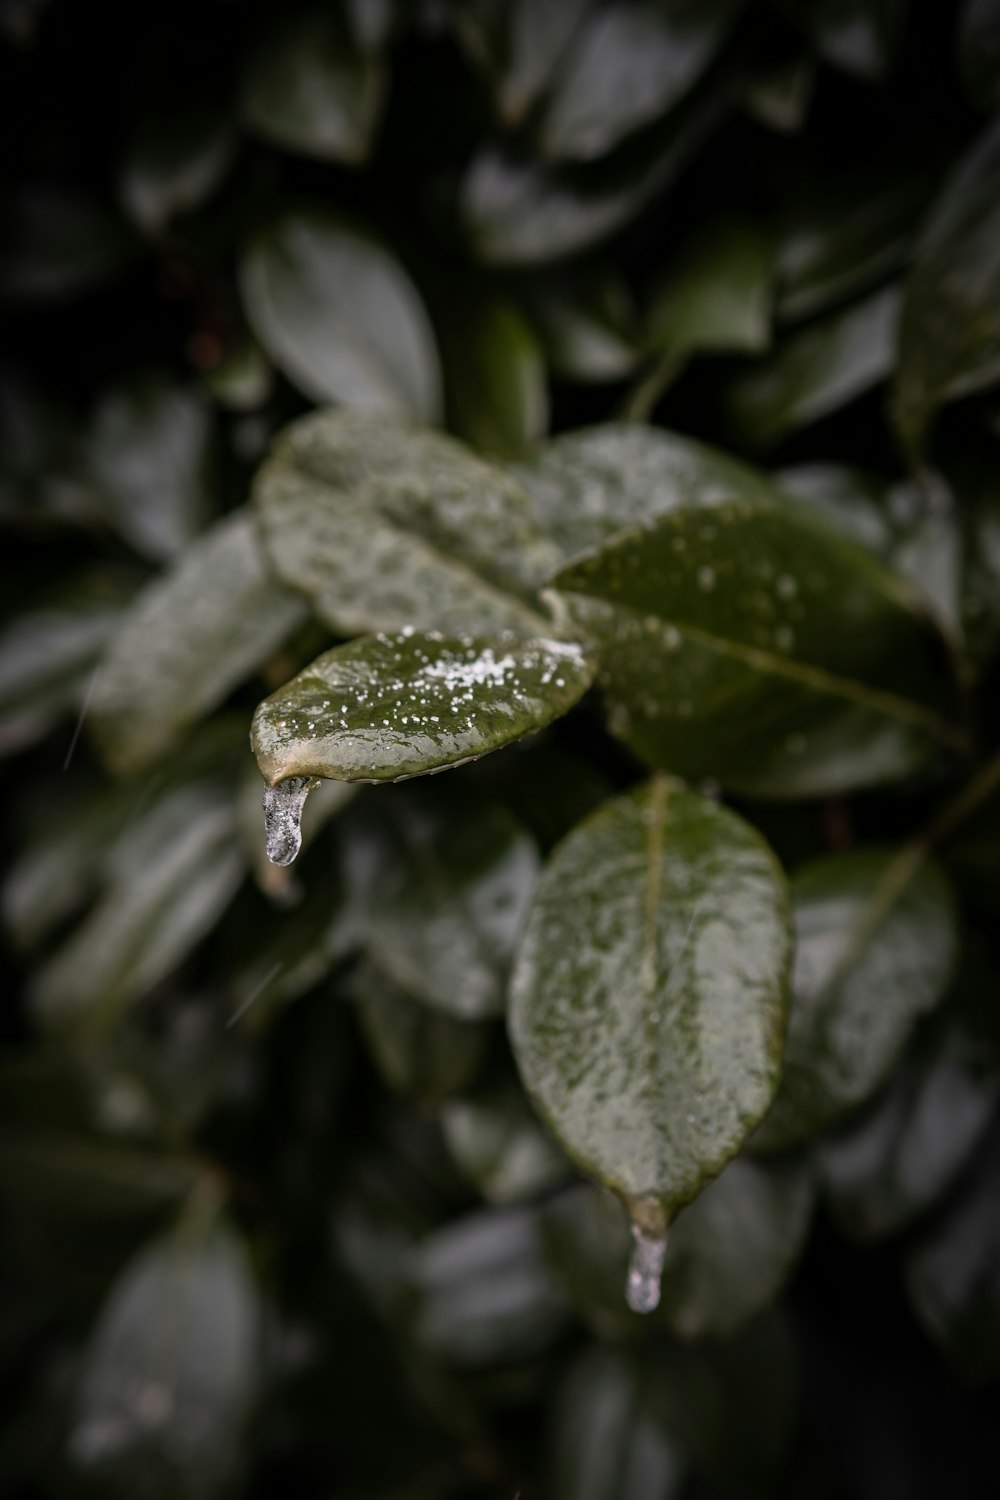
(283, 805)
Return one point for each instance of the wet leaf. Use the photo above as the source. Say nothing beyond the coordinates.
(339, 315)
(516, 211)
(816, 371)
(175, 162)
(171, 1370)
(949, 335)
(608, 1439)
(420, 1053)
(499, 1144)
(738, 639)
(714, 296)
(648, 996)
(628, 64)
(148, 458)
(483, 1293)
(497, 396)
(171, 873)
(953, 1272)
(384, 708)
(308, 89)
(876, 941)
(841, 236)
(387, 527)
(188, 638)
(448, 901)
(729, 1253)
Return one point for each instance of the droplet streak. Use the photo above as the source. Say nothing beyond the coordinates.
(645, 1269)
(283, 806)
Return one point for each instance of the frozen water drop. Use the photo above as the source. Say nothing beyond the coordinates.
(645, 1268)
(283, 806)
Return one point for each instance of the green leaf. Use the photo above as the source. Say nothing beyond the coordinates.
(387, 707)
(979, 52)
(858, 36)
(647, 1002)
(741, 640)
(386, 527)
(448, 901)
(174, 163)
(171, 873)
(852, 500)
(875, 944)
(482, 1291)
(516, 211)
(587, 325)
(148, 458)
(629, 63)
(171, 1371)
(497, 397)
(729, 1253)
(816, 371)
(953, 1272)
(949, 337)
(498, 1143)
(905, 1152)
(424, 1055)
(308, 89)
(608, 1437)
(715, 293)
(841, 236)
(339, 316)
(189, 637)
(519, 45)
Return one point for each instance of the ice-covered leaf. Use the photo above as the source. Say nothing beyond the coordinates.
(339, 315)
(386, 526)
(171, 1369)
(816, 370)
(308, 89)
(628, 64)
(188, 638)
(386, 707)
(949, 335)
(876, 940)
(742, 640)
(647, 1003)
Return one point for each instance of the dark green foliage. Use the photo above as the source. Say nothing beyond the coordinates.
(596, 402)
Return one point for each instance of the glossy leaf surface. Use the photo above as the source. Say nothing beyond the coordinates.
(648, 997)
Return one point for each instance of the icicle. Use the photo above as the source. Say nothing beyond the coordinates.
(645, 1267)
(283, 806)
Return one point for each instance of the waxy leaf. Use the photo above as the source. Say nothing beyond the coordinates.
(171, 1369)
(186, 640)
(629, 63)
(609, 1439)
(448, 899)
(817, 370)
(387, 527)
(495, 387)
(647, 1002)
(949, 337)
(875, 939)
(309, 90)
(715, 294)
(338, 314)
(383, 707)
(741, 640)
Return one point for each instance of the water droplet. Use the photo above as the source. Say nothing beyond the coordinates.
(645, 1268)
(283, 806)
